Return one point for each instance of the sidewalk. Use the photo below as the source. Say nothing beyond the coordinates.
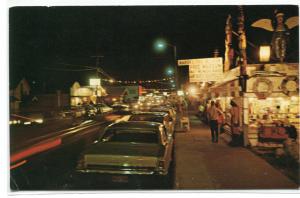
(203, 165)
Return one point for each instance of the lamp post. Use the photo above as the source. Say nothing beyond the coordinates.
(160, 45)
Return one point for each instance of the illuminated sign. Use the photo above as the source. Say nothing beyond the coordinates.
(204, 69)
(95, 82)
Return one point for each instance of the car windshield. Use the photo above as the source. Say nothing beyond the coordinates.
(132, 136)
(149, 118)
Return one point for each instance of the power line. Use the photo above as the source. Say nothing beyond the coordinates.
(68, 70)
(251, 44)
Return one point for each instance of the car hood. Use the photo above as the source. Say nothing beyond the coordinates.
(125, 149)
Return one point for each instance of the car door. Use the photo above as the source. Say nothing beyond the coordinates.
(168, 143)
(168, 124)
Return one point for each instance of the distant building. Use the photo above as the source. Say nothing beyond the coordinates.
(114, 94)
(131, 93)
(20, 90)
(123, 93)
(17, 93)
(85, 94)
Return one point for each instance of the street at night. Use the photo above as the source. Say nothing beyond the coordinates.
(168, 98)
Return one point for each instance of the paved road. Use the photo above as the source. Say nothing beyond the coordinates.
(203, 165)
(22, 136)
(42, 155)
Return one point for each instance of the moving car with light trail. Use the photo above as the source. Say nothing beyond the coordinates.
(103, 108)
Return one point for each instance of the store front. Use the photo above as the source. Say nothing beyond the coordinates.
(268, 108)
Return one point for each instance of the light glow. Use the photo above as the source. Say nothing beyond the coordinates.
(264, 53)
(95, 82)
(180, 93)
(34, 150)
(192, 90)
(39, 121)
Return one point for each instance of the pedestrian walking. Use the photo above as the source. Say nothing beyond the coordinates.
(221, 116)
(235, 124)
(212, 116)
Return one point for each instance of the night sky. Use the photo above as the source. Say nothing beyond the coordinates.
(42, 38)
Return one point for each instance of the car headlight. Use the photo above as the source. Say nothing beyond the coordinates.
(39, 121)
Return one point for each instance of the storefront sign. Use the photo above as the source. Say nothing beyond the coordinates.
(95, 82)
(204, 69)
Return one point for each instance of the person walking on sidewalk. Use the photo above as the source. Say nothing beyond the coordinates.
(212, 115)
(235, 124)
(221, 116)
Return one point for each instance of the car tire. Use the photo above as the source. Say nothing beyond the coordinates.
(165, 181)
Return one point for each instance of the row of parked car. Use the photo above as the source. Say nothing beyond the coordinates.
(136, 150)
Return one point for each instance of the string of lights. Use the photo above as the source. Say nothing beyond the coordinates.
(109, 78)
(138, 81)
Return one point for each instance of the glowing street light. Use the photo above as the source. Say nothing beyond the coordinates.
(169, 71)
(160, 45)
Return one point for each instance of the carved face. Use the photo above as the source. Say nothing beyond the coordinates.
(279, 19)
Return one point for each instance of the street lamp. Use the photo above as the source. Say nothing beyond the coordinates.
(160, 45)
(169, 71)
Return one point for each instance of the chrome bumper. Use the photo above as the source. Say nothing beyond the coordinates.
(124, 172)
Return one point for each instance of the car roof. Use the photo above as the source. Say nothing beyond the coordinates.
(150, 113)
(135, 125)
(164, 109)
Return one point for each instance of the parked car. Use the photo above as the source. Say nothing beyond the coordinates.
(160, 117)
(103, 108)
(171, 112)
(129, 152)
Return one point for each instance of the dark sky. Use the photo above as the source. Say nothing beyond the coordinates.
(45, 37)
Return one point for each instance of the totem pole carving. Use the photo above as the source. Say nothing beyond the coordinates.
(280, 28)
(242, 41)
(229, 52)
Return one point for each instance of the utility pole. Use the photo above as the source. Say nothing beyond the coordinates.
(98, 63)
